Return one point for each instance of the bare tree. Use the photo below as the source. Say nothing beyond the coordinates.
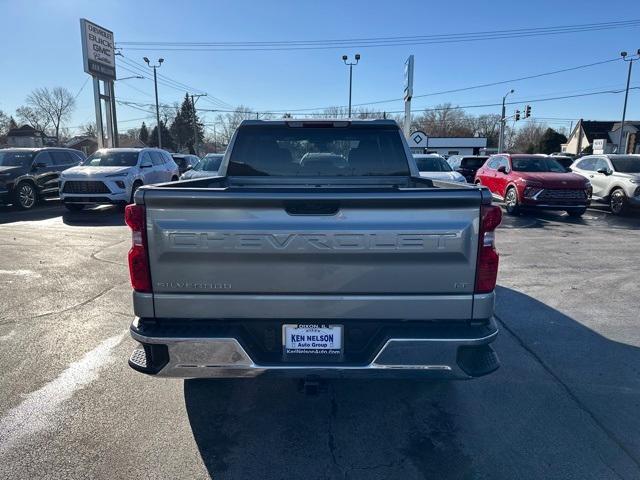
(33, 117)
(488, 126)
(89, 129)
(527, 139)
(5, 120)
(444, 120)
(227, 123)
(56, 105)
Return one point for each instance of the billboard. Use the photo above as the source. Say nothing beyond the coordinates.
(98, 50)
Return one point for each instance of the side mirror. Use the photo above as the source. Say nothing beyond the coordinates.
(189, 167)
(502, 169)
(146, 165)
(569, 170)
(604, 171)
(38, 165)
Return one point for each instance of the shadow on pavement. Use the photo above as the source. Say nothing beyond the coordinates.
(102, 216)
(594, 217)
(528, 420)
(42, 211)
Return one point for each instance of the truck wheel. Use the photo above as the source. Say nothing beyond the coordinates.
(618, 202)
(511, 201)
(576, 213)
(25, 196)
(74, 207)
(136, 185)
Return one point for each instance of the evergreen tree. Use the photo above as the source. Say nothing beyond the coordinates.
(182, 127)
(12, 123)
(551, 141)
(167, 139)
(144, 134)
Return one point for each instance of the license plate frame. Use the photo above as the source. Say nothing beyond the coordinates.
(308, 349)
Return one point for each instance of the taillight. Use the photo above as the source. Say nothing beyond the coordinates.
(134, 216)
(487, 267)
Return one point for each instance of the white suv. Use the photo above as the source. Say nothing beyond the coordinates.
(112, 175)
(615, 179)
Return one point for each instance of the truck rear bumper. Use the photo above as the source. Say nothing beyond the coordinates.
(447, 352)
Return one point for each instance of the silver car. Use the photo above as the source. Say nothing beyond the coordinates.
(615, 179)
(207, 167)
(112, 175)
(435, 167)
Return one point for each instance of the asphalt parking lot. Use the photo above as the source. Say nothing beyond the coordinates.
(564, 404)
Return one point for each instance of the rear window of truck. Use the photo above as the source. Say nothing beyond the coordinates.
(318, 151)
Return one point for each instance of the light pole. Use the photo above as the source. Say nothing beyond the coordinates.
(155, 82)
(193, 119)
(350, 64)
(629, 59)
(503, 122)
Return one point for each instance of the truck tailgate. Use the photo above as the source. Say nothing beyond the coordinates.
(400, 254)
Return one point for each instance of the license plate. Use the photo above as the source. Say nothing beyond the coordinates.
(312, 340)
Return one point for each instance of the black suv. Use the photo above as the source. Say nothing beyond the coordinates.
(30, 174)
(467, 165)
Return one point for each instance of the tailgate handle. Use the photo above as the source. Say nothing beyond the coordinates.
(312, 208)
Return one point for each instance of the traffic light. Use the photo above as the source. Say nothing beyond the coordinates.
(527, 111)
(517, 115)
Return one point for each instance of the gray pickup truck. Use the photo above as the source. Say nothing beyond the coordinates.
(318, 250)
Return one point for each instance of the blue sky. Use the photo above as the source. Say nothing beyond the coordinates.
(41, 42)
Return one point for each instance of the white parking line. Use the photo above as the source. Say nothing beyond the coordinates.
(37, 411)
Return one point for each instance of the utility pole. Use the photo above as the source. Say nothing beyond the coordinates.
(155, 82)
(630, 59)
(503, 122)
(350, 64)
(193, 119)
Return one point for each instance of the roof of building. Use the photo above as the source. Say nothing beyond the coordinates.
(25, 131)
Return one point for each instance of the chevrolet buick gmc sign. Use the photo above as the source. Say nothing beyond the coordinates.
(98, 50)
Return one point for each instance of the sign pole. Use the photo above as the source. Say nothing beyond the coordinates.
(98, 106)
(107, 110)
(114, 118)
(408, 93)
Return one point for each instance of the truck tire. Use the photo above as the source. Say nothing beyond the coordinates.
(25, 196)
(511, 201)
(618, 201)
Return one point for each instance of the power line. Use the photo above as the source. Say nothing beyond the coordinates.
(376, 41)
(434, 109)
(167, 81)
(464, 89)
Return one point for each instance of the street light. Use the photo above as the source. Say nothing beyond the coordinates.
(155, 82)
(503, 122)
(128, 78)
(629, 59)
(350, 64)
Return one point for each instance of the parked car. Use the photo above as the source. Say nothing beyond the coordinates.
(615, 179)
(185, 161)
(371, 270)
(112, 175)
(207, 167)
(435, 167)
(534, 181)
(467, 165)
(28, 175)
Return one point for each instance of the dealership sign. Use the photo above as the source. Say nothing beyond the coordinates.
(98, 50)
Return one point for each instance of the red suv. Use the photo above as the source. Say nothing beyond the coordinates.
(534, 181)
